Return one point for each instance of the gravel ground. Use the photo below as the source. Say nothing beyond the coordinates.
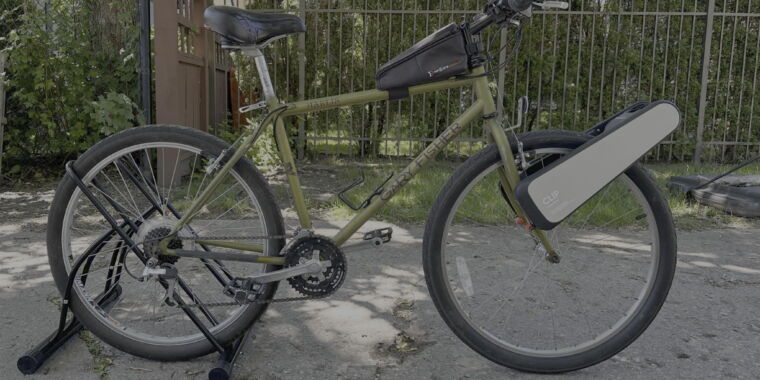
(708, 328)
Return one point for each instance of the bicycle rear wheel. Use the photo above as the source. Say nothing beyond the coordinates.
(494, 287)
(154, 173)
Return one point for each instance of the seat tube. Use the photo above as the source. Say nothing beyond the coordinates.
(281, 138)
(286, 156)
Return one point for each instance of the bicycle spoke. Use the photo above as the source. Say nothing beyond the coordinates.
(531, 305)
(126, 187)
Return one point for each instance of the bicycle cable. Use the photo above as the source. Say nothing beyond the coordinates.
(492, 57)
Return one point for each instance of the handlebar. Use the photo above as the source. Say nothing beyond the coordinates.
(515, 5)
(500, 11)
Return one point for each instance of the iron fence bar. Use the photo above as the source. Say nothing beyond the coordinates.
(741, 92)
(641, 54)
(688, 77)
(613, 93)
(394, 139)
(603, 75)
(678, 69)
(301, 148)
(704, 80)
(541, 71)
(578, 65)
(740, 143)
(554, 69)
(476, 11)
(567, 60)
(718, 83)
(651, 70)
(754, 86)
(729, 85)
(2, 110)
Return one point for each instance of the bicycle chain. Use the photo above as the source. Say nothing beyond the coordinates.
(222, 304)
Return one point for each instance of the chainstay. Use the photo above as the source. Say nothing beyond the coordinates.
(251, 237)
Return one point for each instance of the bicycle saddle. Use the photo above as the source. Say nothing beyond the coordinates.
(240, 27)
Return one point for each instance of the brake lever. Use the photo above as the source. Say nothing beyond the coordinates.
(552, 5)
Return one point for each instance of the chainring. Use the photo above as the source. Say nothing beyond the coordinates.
(316, 284)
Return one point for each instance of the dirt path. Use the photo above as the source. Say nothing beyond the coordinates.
(382, 324)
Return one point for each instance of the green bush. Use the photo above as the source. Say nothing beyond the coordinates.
(71, 76)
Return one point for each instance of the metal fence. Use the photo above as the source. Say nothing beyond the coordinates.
(578, 67)
(2, 110)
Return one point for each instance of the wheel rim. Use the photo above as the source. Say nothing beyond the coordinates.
(495, 298)
(162, 325)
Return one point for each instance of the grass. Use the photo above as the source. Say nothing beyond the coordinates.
(413, 203)
(101, 362)
(410, 205)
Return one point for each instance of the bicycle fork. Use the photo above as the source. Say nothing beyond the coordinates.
(508, 173)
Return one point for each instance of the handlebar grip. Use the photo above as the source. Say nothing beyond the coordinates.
(518, 5)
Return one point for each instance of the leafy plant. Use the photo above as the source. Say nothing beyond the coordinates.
(71, 76)
(115, 112)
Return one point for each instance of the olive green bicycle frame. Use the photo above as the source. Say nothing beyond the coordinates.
(483, 108)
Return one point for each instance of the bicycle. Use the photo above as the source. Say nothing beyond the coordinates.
(191, 224)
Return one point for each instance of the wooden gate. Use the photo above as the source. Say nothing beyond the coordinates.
(191, 69)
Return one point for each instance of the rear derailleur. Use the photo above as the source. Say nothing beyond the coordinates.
(164, 273)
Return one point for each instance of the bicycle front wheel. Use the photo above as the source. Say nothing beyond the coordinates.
(494, 286)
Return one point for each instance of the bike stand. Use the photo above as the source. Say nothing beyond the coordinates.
(32, 360)
(223, 368)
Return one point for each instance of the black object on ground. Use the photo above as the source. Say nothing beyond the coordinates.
(735, 194)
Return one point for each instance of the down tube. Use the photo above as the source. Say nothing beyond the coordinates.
(401, 179)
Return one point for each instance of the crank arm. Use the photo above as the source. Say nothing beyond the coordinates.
(313, 266)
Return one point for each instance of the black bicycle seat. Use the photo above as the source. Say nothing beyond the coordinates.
(240, 27)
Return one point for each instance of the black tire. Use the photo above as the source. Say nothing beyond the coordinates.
(447, 304)
(210, 146)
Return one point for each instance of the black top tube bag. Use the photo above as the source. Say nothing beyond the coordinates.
(444, 54)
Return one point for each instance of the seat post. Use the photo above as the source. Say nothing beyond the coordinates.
(263, 69)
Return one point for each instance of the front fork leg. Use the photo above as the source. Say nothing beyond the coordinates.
(509, 177)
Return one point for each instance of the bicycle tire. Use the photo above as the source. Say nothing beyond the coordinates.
(484, 342)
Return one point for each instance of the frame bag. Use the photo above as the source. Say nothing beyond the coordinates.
(440, 56)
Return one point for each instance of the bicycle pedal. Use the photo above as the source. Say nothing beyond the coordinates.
(379, 236)
(239, 289)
